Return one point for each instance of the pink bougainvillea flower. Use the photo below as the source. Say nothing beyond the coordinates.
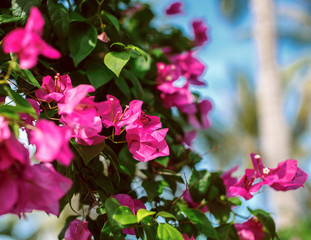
(133, 204)
(186, 237)
(146, 145)
(167, 72)
(41, 187)
(52, 142)
(179, 97)
(286, 176)
(25, 188)
(85, 126)
(54, 90)
(192, 204)
(189, 137)
(174, 8)
(229, 180)
(252, 229)
(26, 117)
(75, 99)
(82, 115)
(191, 68)
(8, 193)
(204, 107)
(103, 37)
(11, 150)
(145, 121)
(27, 42)
(78, 230)
(200, 32)
(114, 116)
(245, 186)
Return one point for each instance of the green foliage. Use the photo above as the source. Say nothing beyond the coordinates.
(82, 40)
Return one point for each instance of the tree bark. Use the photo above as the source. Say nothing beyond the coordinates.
(274, 136)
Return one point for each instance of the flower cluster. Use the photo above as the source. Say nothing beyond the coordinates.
(286, 176)
(25, 187)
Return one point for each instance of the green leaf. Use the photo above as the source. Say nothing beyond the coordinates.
(11, 112)
(126, 161)
(82, 40)
(142, 213)
(139, 50)
(153, 188)
(235, 201)
(59, 18)
(21, 8)
(266, 220)
(201, 222)
(30, 78)
(88, 152)
(111, 205)
(98, 74)
(118, 44)
(219, 210)
(124, 216)
(6, 18)
(166, 231)
(106, 232)
(110, 153)
(123, 86)
(21, 103)
(150, 227)
(201, 181)
(163, 161)
(137, 86)
(22, 73)
(165, 215)
(115, 61)
(227, 232)
(113, 20)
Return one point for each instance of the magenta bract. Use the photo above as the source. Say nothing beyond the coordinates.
(27, 43)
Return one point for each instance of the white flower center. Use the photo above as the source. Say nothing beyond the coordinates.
(257, 156)
(266, 170)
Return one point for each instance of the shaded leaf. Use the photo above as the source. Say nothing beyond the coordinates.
(201, 222)
(59, 18)
(88, 152)
(98, 74)
(201, 181)
(81, 40)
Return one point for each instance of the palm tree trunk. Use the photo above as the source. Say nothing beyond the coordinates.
(274, 137)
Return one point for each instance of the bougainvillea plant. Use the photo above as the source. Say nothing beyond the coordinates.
(95, 89)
